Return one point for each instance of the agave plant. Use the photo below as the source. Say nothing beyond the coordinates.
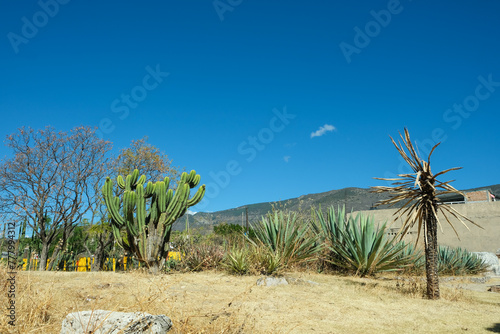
(286, 237)
(415, 258)
(266, 261)
(418, 192)
(358, 244)
(458, 261)
(237, 260)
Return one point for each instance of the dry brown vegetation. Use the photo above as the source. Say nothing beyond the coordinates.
(215, 302)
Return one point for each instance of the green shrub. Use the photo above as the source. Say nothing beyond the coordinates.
(358, 244)
(458, 261)
(237, 260)
(286, 239)
(202, 256)
(228, 229)
(265, 261)
(451, 261)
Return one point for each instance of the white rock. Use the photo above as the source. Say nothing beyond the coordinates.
(496, 270)
(107, 322)
(272, 281)
(489, 259)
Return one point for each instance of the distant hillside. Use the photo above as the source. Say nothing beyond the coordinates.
(354, 199)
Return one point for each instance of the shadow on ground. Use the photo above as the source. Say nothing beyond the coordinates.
(495, 328)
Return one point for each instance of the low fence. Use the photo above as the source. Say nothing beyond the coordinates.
(84, 263)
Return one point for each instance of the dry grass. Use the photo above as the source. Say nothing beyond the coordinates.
(214, 302)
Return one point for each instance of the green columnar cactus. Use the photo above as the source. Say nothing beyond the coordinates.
(142, 220)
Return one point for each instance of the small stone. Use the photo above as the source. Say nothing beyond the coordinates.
(299, 281)
(107, 322)
(103, 286)
(271, 281)
(494, 288)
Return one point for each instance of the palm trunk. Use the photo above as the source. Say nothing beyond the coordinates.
(431, 257)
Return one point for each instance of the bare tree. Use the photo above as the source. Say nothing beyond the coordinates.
(55, 174)
(148, 159)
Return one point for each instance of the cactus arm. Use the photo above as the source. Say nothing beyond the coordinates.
(196, 181)
(176, 200)
(170, 195)
(141, 180)
(150, 189)
(128, 181)
(178, 203)
(197, 197)
(111, 203)
(141, 210)
(191, 176)
(122, 242)
(153, 215)
(134, 176)
(120, 182)
(161, 195)
(142, 236)
(184, 177)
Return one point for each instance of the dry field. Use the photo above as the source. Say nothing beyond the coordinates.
(215, 302)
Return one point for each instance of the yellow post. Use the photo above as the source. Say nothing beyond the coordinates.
(64, 269)
(25, 264)
(124, 263)
(82, 264)
(114, 264)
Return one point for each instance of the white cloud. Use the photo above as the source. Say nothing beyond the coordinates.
(189, 212)
(286, 158)
(322, 130)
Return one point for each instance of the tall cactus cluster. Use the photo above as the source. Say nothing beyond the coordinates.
(142, 219)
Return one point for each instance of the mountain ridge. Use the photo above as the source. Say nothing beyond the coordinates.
(353, 198)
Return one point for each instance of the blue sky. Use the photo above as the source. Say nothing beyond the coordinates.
(266, 100)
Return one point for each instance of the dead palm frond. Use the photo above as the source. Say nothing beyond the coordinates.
(419, 191)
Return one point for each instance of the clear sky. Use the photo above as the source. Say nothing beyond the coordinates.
(267, 100)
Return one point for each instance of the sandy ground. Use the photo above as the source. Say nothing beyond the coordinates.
(215, 302)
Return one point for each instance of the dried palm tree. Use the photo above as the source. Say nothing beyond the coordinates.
(419, 191)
